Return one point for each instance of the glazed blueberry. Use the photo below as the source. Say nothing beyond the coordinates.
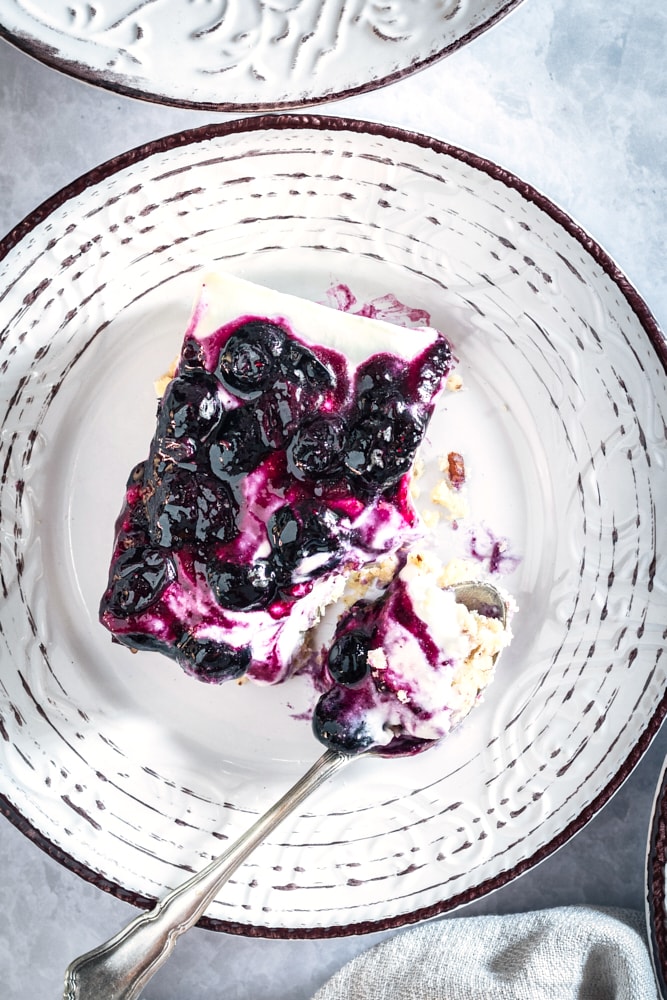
(348, 658)
(241, 587)
(192, 357)
(300, 365)
(431, 368)
(210, 660)
(136, 476)
(305, 541)
(279, 412)
(339, 725)
(217, 511)
(316, 451)
(187, 509)
(190, 407)
(172, 510)
(249, 360)
(141, 640)
(139, 577)
(379, 386)
(380, 450)
(239, 446)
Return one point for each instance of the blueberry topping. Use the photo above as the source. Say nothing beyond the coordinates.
(433, 366)
(381, 450)
(379, 386)
(317, 448)
(190, 407)
(136, 476)
(210, 660)
(241, 587)
(248, 361)
(182, 505)
(348, 658)
(192, 357)
(300, 365)
(185, 509)
(172, 510)
(279, 412)
(239, 447)
(138, 578)
(145, 641)
(306, 541)
(217, 512)
(338, 725)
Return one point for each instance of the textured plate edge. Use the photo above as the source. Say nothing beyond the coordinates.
(334, 123)
(366, 927)
(45, 55)
(655, 897)
(656, 337)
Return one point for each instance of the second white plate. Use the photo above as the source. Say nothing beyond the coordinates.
(244, 54)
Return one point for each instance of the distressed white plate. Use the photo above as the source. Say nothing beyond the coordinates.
(656, 884)
(244, 54)
(132, 773)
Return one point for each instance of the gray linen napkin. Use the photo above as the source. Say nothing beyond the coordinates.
(564, 953)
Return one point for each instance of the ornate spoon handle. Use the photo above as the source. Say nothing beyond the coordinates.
(120, 968)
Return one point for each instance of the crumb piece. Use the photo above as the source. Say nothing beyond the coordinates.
(446, 497)
(422, 561)
(374, 575)
(431, 518)
(456, 571)
(454, 382)
(456, 469)
(418, 467)
(377, 659)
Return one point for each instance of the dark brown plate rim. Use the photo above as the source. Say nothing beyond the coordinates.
(656, 866)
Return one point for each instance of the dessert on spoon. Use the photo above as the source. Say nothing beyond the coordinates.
(120, 968)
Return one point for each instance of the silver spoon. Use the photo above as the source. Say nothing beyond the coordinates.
(120, 968)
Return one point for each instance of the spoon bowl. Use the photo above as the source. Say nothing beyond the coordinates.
(120, 968)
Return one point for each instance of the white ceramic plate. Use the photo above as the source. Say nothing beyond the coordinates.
(244, 54)
(656, 884)
(133, 774)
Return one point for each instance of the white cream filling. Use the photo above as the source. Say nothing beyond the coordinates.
(468, 644)
(224, 297)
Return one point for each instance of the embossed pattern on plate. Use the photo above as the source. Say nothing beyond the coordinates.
(131, 773)
(244, 54)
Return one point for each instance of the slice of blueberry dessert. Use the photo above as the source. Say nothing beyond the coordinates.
(280, 464)
(406, 667)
